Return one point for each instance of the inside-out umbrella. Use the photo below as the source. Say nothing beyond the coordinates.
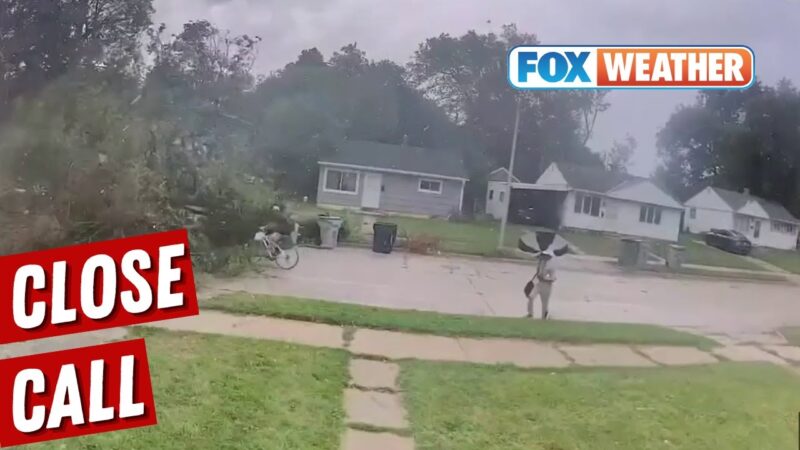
(543, 240)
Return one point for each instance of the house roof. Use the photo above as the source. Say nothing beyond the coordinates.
(501, 174)
(595, 179)
(737, 200)
(398, 158)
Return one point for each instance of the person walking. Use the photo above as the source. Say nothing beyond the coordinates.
(541, 284)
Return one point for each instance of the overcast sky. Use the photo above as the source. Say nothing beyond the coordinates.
(393, 29)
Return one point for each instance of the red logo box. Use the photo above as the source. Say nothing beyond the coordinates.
(75, 392)
(95, 286)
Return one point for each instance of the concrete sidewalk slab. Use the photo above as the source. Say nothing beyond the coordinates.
(377, 409)
(59, 343)
(256, 327)
(747, 353)
(395, 345)
(677, 356)
(605, 355)
(363, 440)
(374, 374)
(510, 351)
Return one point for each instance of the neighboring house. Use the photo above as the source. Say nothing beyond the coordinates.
(765, 223)
(497, 192)
(392, 178)
(588, 198)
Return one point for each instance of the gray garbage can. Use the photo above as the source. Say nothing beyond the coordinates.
(675, 255)
(630, 252)
(329, 230)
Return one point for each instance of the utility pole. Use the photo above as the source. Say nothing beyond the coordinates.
(504, 220)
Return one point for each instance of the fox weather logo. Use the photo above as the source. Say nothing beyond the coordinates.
(616, 67)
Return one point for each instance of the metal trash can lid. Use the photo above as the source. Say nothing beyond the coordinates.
(328, 217)
(384, 224)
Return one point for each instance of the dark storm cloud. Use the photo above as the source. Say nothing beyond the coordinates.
(393, 29)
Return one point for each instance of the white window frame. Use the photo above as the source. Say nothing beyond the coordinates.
(655, 219)
(782, 227)
(587, 200)
(337, 191)
(430, 180)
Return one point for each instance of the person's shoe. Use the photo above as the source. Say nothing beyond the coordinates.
(546, 315)
(529, 316)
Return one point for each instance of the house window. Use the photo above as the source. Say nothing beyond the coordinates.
(782, 227)
(341, 181)
(491, 194)
(431, 186)
(650, 214)
(693, 213)
(587, 204)
(502, 196)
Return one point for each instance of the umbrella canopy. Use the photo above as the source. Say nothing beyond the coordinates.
(543, 241)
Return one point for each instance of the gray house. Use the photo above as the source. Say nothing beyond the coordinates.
(392, 178)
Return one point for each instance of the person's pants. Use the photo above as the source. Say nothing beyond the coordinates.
(543, 289)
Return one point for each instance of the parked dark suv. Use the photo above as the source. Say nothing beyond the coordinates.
(729, 240)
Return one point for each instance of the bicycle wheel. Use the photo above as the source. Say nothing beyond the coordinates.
(287, 259)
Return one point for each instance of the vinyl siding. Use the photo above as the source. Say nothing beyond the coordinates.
(494, 207)
(336, 198)
(400, 194)
(706, 219)
(622, 217)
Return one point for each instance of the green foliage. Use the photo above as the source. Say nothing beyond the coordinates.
(466, 76)
(736, 140)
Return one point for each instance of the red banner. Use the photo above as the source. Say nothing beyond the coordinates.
(94, 286)
(75, 392)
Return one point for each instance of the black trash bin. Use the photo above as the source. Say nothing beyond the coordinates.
(384, 237)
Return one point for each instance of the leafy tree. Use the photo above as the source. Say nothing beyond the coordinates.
(736, 140)
(618, 157)
(303, 111)
(42, 40)
(466, 76)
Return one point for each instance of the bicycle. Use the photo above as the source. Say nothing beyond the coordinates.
(278, 248)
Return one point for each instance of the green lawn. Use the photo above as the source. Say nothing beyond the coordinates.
(215, 392)
(792, 334)
(450, 324)
(788, 260)
(593, 243)
(475, 238)
(726, 406)
(697, 253)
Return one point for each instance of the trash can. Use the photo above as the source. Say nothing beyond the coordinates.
(630, 253)
(384, 236)
(675, 255)
(329, 230)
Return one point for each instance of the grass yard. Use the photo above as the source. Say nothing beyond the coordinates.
(725, 406)
(475, 238)
(792, 334)
(450, 324)
(215, 392)
(788, 260)
(697, 253)
(593, 243)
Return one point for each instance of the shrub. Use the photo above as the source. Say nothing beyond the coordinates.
(423, 244)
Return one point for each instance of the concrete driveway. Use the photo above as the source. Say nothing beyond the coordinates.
(585, 290)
